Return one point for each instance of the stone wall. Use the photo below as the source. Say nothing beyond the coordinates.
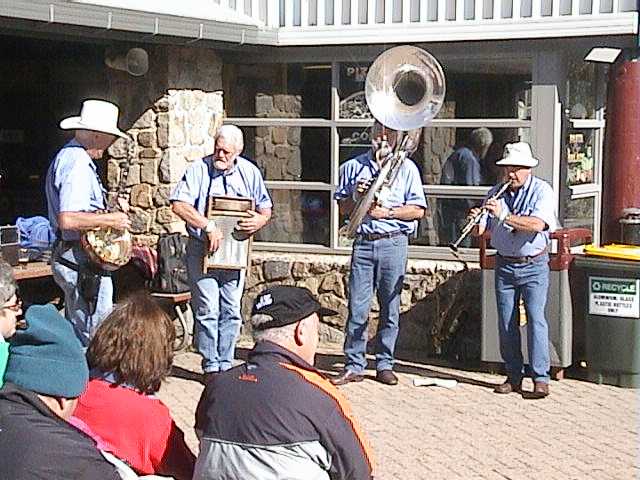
(171, 113)
(440, 301)
(176, 130)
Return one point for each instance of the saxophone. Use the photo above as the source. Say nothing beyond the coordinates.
(110, 248)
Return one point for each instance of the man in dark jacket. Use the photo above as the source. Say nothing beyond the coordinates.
(276, 416)
(46, 372)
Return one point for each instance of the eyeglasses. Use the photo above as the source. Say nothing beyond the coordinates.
(14, 307)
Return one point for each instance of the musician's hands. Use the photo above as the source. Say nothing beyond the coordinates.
(494, 207)
(473, 213)
(252, 224)
(361, 188)
(214, 237)
(378, 212)
(117, 220)
(123, 204)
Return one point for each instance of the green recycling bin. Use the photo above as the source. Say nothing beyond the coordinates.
(612, 326)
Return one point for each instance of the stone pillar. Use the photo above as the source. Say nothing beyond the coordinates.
(171, 114)
(176, 130)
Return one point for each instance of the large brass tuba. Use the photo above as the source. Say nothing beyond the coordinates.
(405, 90)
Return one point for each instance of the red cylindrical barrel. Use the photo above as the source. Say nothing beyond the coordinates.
(621, 167)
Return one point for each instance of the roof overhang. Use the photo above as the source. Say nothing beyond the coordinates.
(160, 18)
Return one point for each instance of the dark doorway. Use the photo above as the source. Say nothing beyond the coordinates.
(41, 81)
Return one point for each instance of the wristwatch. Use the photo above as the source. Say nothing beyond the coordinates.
(210, 227)
(392, 213)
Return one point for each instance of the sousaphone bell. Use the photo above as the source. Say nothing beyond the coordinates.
(404, 89)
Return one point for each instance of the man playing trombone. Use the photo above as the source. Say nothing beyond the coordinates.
(520, 222)
(379, 258)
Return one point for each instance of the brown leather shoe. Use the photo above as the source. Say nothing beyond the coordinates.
(508, 387)
(540, 389)
(347, 376)
(387, 377)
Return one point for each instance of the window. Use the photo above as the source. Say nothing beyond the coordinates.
(299, 128)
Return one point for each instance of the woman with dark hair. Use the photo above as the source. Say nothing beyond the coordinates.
(129, 357)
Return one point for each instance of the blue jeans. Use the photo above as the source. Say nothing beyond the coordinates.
(378, 265)
(215, 301)
(531, 282)
(76, 309)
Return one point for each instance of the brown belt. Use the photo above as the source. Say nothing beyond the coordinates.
(527, 259)
(371, 237)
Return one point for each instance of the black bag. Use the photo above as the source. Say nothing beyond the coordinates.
(171, 276)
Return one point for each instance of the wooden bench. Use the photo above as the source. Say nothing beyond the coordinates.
(182, 307)
(32, 270)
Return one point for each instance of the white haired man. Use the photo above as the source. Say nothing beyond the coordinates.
(216, 295)
(76, 200)
(276, 416)
(520, 223)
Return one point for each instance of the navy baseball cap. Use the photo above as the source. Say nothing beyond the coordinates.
(286, 305)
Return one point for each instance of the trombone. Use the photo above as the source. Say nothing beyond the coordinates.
(473, 221)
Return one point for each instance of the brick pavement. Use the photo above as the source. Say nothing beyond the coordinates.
(581, 431)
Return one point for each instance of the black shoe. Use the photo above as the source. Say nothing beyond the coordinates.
(387, 377)
(347, 376)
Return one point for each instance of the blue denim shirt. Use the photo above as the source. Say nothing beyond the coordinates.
(73, 185)
(405, 190)
(533, 199)
(462, 168)
(202, 178)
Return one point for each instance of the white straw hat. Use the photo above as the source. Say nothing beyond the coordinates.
(517, 155)
(97, 116)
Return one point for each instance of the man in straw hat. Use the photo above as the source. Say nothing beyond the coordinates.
(520, 223)
(276, 416)
(76, 197)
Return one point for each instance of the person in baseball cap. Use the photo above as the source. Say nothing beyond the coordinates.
(276, 416)
(286, 305)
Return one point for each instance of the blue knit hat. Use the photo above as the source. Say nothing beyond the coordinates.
(47, 357)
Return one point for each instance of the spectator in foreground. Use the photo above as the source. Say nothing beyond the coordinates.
(129, 357)
(10, 310)
(276, 416)
(45, 375)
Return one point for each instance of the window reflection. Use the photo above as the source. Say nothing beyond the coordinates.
(580, 161)
(579, 213)
(299, 216)
(289, 153)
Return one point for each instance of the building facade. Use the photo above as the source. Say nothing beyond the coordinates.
(291, 74)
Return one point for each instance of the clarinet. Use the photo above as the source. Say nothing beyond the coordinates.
(473, 221)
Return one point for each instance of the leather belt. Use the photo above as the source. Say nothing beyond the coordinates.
(527, 259)
(372, 237)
